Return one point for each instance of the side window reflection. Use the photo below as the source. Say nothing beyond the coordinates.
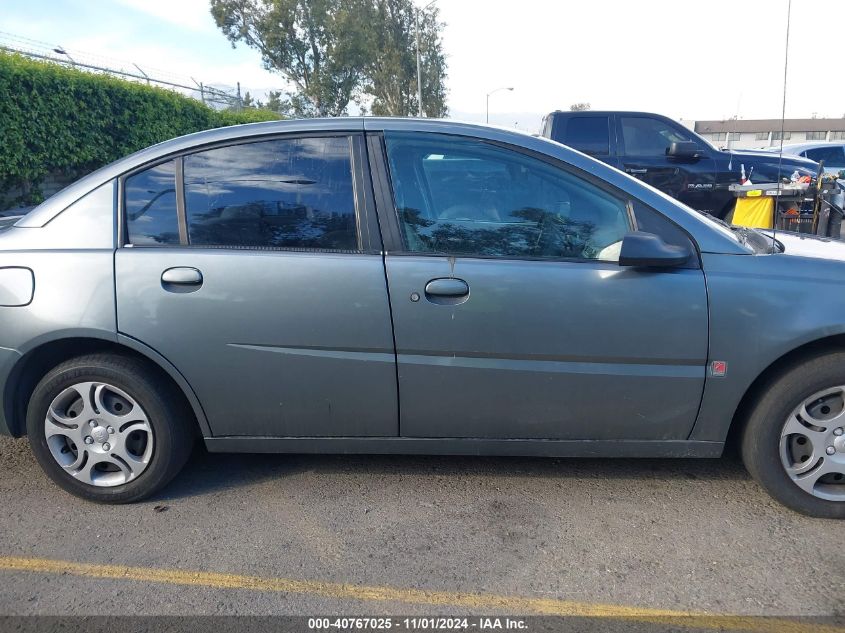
(466, 197)
(151, 206)
(291, 193)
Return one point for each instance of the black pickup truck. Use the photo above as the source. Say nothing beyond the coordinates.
(669, 156)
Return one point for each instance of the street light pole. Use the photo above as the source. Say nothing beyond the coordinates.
(487, 116)
(61, 51)
(419, 71)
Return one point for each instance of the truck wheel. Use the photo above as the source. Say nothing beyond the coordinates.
(794, 441)
(107, 428)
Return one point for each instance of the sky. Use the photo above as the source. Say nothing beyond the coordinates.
(688, 59)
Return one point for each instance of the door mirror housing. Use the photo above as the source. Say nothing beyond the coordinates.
(647, 250)
(684, 149)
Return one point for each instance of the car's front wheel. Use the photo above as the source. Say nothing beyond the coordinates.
(794, 440)
(108, 428)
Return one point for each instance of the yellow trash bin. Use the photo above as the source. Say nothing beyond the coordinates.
(754, 212)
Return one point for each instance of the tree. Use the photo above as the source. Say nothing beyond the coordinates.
(248, 102)
(275, 101)
(579, 107)
(320, 46)
(334, 52)
(391, 71)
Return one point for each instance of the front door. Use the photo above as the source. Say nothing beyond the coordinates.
(512, 316)
(256, 270)
(643, 143)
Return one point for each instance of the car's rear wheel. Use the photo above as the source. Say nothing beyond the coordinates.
(794, 440)
(108, 428)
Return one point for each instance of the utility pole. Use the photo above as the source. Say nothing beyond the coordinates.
(419, 72)
(419, 64)
(146, 76)
(200, 86)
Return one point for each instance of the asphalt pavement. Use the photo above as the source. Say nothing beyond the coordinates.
(306, 535)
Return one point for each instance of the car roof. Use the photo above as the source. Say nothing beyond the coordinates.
(713, 241)
(609, 112)
(800, 147)
(45, 212)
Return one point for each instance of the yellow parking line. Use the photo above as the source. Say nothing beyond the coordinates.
(473, 601)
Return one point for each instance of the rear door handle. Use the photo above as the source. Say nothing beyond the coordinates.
(447, 291)
(181, 276)
(632, 170)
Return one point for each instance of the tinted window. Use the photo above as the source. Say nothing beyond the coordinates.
(644, 136)
(151, 206)
(280, 193)
(588, 134)
(465, 197)
(830, 155)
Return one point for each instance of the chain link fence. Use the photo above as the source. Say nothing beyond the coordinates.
(217, 96)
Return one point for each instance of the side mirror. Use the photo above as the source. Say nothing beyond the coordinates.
(683, 149)
(641, 249)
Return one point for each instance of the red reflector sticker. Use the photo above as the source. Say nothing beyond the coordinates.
(718, 368)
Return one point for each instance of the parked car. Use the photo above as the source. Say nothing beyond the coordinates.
(669, 156)
(833, 154)
(409, 286)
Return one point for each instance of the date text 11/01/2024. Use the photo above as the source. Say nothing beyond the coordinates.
(417, 623)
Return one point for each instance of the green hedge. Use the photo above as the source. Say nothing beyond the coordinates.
(59, 120)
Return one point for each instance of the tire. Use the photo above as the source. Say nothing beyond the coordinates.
(143, 428)
(796, 421)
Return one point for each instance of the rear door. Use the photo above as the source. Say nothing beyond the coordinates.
(590, 133)
(512, 316)
(255, 269)
(643, 143)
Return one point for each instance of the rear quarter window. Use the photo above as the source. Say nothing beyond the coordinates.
(588, 134)
(150, 197)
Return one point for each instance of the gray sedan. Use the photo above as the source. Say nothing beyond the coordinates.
(409, 286)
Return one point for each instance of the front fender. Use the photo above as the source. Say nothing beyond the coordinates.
(762, 308)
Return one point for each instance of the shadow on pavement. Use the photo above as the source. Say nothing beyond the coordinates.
(212, 472)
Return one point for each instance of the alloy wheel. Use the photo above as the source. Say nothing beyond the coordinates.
(99, 434)
(812, 444)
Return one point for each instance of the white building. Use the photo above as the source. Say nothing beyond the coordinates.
(756, 133)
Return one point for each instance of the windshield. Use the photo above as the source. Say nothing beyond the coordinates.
(720, 225)
(757, 241)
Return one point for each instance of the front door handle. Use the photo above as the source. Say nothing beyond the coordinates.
(634, 170)
(181, 276)
(447, 291)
